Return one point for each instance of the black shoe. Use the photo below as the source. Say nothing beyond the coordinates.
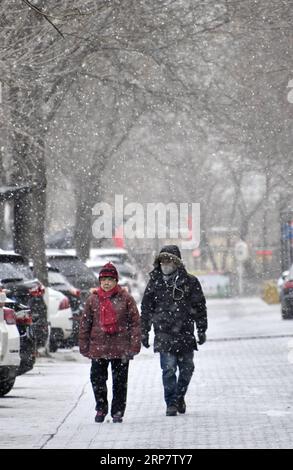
(181, 406)
(171, 410)
(100, 417)
(117, 418)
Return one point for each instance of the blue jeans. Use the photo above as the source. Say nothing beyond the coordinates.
(176, 389)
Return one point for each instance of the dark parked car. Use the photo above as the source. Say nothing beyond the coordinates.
(78, 277)
(24, 323)
(286, 296)
(21, 286)
(59, 282)
(75, 271)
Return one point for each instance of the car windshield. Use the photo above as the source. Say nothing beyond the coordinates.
(126, 269)
(10, 271)
(119, 258)
(96, 270)
(72, 267)
(56, 278)
(25, 270)
(123, 270)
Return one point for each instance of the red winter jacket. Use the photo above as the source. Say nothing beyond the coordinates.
(95, 343)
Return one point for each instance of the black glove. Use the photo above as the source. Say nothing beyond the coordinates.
(201, 337)
(145, 341)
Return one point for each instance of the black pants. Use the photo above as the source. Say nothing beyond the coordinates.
(99, 377)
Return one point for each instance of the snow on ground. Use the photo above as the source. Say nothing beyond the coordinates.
(240, 396)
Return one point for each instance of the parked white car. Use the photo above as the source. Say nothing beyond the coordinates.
(60, 318)
(9, 348)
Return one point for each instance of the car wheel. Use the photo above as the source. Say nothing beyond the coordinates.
(286, 314)
(28, 353)
(53, 345)
(25, 366)
(6, 386)
(41, 332)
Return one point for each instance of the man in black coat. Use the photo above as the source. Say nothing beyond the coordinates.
(173, 300)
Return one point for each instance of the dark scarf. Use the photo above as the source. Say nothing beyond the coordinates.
(108, 315)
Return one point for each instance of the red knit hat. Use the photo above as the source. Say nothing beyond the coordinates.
(109, 270)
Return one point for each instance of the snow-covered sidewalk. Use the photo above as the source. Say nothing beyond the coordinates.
(240, 395)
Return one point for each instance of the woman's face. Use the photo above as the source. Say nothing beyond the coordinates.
(107, 283)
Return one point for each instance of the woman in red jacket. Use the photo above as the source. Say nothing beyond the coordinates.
(110, 333)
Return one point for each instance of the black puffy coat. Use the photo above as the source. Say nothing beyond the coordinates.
(173, 319)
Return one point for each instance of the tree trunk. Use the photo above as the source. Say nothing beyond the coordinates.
(83, 220)
(30, 208)
(208, 251)
(2, 203)
(38, 237)
(265, 263)
(22, 225)
(229, 235)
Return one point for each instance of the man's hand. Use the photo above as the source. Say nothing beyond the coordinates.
(201, 337)
(145, 341)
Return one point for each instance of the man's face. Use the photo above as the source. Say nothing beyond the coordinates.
(107, 283)
(168, 266)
